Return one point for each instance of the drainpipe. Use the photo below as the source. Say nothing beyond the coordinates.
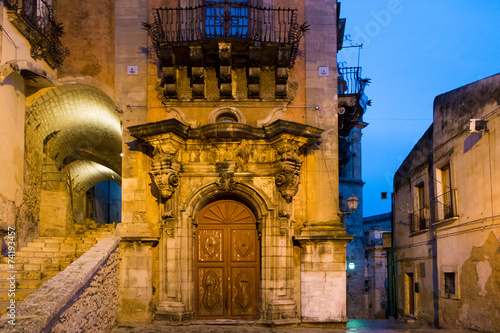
(433, 241)
(393, 276)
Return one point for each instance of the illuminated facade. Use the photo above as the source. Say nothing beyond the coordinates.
(220, 121)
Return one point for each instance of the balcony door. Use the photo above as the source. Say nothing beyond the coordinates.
(226, 19)
(227, 262)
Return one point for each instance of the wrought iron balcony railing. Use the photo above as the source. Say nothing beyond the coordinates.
(351, 85)
(446, 205)
(350, 81)
(225, 20)
(419, 220)
(35, 20)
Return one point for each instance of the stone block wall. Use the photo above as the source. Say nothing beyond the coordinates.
(82, 298)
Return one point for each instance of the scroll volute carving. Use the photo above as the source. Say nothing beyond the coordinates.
(166, 167)
(287, 176)
(287, 180)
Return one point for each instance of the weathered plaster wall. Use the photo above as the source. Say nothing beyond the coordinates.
(478, 307)
(12, 152)
(474, 174)
(474, 226)
(90, 37)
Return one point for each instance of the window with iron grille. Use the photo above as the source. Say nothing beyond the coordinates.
(445, 199)
(419, 216)
(226, 19)
(449, 283)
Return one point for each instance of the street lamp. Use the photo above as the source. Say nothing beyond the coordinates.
(352, 205)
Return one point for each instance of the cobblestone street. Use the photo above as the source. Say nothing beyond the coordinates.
(380, 325)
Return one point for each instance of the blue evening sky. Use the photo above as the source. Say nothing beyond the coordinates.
(413, 51)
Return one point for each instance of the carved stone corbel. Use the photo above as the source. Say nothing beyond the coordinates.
(197, 72)
(282, 71)
(225, 70)
(166, 182)
(253, 71)
(168, 84)
(165, 168)
(287, 180)
(287, 177)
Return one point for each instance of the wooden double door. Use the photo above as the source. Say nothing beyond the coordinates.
(227, 262)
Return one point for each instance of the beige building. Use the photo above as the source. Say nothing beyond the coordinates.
(219, 120)
(447, 229)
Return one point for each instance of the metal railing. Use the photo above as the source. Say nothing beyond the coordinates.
(419, 220)
(225, 19)
(350, 81)
(446, 205)
(37, 14)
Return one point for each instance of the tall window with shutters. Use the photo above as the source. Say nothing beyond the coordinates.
(445, 194)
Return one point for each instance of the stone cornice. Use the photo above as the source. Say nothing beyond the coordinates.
(225, 130)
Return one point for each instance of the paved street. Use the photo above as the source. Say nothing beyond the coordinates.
(354, 326)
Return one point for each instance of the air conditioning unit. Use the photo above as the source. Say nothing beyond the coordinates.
(477, 125)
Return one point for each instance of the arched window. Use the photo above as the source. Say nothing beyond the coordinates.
(226, 118)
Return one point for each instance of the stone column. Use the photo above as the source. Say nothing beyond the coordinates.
(138, 237)
(322, 240)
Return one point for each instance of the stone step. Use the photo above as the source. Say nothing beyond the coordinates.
(44, 257)
(36, 243)
(31, 254)
(3, 307)
(18, 294)
(23, 284)
(63, 248)
(36, 261)
(21, 275)
(39, 267)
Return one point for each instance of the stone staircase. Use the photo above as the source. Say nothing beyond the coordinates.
(44, 257)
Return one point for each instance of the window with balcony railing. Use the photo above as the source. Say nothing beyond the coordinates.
(223, 19)
(445, 199)
(349, 80)
(419, 220)
(445, 205)
(35, 20)
(420, 215)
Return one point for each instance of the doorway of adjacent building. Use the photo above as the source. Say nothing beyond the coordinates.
(410, 294)
(227, 262)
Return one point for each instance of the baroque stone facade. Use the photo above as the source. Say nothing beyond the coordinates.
(198, 121)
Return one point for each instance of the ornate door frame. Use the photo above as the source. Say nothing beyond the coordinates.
(226, 262)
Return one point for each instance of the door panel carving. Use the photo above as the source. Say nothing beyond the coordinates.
(242, 245)
(243, 291)
(210, 245)
(227, 262)
(211, 289)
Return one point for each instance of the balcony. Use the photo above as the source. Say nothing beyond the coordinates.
(241, 24)
(352, 99)
(35, 20)
(419, 220)
(446, 205)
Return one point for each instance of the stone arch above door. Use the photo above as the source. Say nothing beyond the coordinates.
(242, 192)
